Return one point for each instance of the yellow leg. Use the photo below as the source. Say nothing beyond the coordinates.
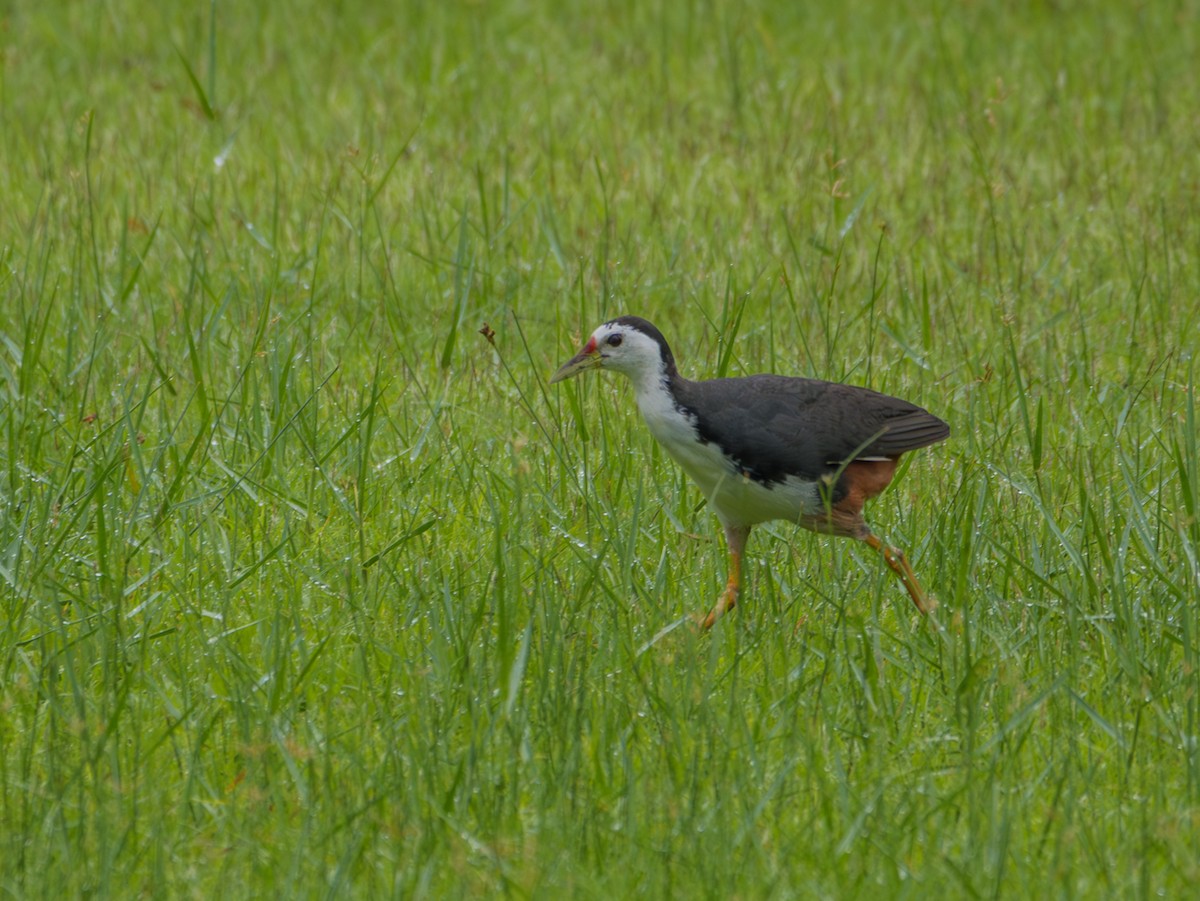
(735, 537)
(898, 563)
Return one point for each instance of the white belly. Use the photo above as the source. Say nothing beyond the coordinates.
(735, 498)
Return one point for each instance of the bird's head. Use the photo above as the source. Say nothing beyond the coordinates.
(628, 345)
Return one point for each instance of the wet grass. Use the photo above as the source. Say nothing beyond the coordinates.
(311, 588)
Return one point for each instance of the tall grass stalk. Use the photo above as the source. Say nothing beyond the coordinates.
(311, 585)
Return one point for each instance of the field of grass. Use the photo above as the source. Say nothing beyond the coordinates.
(308, 589)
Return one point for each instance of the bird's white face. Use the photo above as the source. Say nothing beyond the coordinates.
(619, 347)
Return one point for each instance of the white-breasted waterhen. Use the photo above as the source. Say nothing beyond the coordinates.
(765, 447)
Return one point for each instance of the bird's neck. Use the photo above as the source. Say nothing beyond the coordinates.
(654, 389)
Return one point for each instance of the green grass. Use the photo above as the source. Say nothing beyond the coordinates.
(309, 590)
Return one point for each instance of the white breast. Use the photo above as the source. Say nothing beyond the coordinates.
(736, 499)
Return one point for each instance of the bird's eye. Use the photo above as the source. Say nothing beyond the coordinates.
(613, 341)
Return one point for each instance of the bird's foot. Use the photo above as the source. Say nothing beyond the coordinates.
(898, 563)
(728, 601)
(895, 559)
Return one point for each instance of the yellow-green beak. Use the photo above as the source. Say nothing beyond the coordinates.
(588, 358)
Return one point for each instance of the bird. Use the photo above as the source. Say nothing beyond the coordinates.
(768, 447)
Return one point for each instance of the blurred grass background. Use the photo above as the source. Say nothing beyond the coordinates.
(308, 589)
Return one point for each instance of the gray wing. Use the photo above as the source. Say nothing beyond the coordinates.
(775, 426)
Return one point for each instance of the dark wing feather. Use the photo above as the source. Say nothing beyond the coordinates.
(775, 426)
(909, 431)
